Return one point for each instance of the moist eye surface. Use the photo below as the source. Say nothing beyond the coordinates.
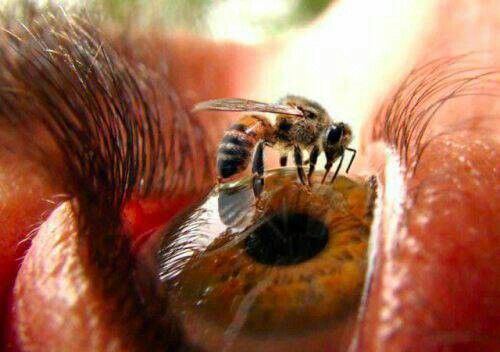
(283, 272)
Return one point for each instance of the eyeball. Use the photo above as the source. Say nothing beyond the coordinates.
(284, 272)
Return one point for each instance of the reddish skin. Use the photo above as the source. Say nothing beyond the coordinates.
(25, 202)
(142, 216)
(76, 297)
(444, 260)
(447, 255)
(210, 71)
(454, 277)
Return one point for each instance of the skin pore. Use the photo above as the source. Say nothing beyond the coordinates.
(434, 274)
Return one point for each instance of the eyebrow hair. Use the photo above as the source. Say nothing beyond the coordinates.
(403, 121)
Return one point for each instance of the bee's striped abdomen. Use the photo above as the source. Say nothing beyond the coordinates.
(235, 149)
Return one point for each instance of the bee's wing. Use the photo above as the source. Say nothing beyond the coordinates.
(236, 104)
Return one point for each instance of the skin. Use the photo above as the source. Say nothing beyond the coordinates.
(27, 181)
(434, 281)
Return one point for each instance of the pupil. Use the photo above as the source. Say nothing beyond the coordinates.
(287, 238)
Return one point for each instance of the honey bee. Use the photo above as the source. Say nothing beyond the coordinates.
(301, 124)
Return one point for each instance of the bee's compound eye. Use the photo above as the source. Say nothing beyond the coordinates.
(284, 271)
(333, 134)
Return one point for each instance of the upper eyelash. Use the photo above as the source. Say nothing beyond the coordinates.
(403, 121)
(120, 132)
(91, 101)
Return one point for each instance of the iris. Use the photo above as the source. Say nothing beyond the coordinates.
(281, 272)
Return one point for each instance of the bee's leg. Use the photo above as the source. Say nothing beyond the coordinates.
(258, 169)
(313, 158)
(328, 165)
(338, 167)
(283, 159)
(352, 158)
(297, 154)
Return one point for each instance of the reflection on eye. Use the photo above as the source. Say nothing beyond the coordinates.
(280, 273)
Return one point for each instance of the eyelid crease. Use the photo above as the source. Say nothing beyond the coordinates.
(404, 120)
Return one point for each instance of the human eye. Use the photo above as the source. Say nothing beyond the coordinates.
(283, 272)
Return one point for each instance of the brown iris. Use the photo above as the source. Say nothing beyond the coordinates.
(286, 270)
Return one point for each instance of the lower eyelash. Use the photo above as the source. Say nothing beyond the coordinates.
(403, 121)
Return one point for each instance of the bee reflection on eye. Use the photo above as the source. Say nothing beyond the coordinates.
(301, 124)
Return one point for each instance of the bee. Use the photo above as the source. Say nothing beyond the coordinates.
(301, 124)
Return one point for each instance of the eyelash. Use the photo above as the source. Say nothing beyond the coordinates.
(120, 132)
(404, 120)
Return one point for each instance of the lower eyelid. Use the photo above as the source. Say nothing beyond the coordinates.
(434, 251)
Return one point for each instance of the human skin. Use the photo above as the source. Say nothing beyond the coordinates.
(434, 281)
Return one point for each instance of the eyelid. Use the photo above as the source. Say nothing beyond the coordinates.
(97, 105)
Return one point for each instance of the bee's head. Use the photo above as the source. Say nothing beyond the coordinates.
(312, 110)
